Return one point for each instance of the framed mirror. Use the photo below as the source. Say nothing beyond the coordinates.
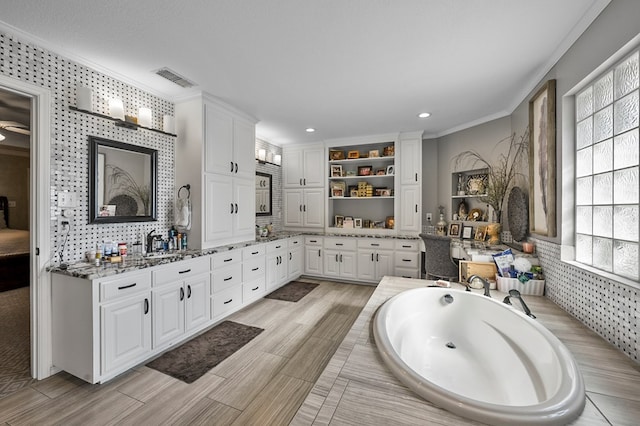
(122, 182)
(263, 194)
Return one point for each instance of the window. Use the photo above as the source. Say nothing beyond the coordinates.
(607, 187)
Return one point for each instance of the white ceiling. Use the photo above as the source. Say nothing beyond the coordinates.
(345, 67)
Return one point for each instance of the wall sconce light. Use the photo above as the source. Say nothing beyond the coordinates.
(168, 124)
(277, 159)
(83, 98)
(144, 117)
(116, 109)
(262, 154)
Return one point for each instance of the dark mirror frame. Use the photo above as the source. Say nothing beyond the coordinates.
(267, 209)
(94, 209)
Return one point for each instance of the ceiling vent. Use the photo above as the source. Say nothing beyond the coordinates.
(175, 77)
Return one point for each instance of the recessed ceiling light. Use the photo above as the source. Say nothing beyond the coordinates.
(310, 130)
(424, 114)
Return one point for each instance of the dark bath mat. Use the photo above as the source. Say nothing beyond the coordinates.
(292, 292)
(194, 358)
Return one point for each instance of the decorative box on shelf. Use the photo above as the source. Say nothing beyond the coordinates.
(531, 287)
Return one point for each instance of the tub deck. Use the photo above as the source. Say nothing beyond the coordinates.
(357, 388)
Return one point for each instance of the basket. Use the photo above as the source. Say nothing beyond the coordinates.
(531, 287)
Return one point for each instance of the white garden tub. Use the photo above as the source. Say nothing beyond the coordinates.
(479, 358)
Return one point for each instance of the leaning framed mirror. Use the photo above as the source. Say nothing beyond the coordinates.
(122, 182)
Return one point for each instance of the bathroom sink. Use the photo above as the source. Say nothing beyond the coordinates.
(162, 255)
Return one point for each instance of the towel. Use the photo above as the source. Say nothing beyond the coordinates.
(183, 214)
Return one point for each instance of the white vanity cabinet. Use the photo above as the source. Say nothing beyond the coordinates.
(303, 166)
(340, 257)
(226, 282)
(295, 263)
(375, 258)
(313, 255)
(254, 272)
(180, 300)
(100, 327)
(277, 264)
(407, 258)
(304, 208)
(410, 183)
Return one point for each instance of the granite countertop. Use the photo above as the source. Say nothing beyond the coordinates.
(131, 263)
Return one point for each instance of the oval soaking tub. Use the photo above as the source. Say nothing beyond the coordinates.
(478, 357)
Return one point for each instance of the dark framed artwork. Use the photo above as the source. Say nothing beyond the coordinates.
(542, 161)
(454, 229)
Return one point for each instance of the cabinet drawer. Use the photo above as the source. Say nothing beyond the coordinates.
(296, 241)
(253, 251)
(407, 273)
(124, 285)
(340, 243)
(219, 260)
(253, 269)
(409, 245)
(179, 270)
(226, 300)
(407, 260)
(253, 289)
(226, 277)
(276, 245)
(313, 241)
(376, 243)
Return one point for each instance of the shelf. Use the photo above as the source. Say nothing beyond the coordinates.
(118, 122)
(468, 196)
(360, 177)
(391, 197)
(362, 160)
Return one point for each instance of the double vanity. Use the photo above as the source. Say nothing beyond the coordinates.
(109, 319)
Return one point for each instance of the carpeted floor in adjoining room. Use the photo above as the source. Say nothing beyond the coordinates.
(15, 345)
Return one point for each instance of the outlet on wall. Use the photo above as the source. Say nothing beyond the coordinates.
(429, 217)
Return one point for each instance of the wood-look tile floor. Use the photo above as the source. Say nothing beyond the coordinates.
(264, 383)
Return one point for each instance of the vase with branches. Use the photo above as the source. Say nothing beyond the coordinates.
(123, 183)
(502, 173)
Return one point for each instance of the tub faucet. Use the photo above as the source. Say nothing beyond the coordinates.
(515, 293)
(484, 281)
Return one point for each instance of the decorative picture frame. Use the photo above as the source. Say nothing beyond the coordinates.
(454, 229)
(467, 232)
(542, 161)
(381, 172)
(353, 154)
(374, 153)
(336, 170)
(481, 233)
(357, 222)
(390, 169)
(338, 221)
(335, 154)
(337, 192)
(353, 192)
(364, 170)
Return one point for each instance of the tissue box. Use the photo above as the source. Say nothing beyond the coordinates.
(531, 287)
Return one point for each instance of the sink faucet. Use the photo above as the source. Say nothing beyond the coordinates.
(150, 239)
(515, 293)
(484, 281)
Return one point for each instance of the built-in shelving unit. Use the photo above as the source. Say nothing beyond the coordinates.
(118, 122)
(469, 186)
(361, 186)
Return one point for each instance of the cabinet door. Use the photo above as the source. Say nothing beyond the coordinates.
(292, 167)
(385, 264)
(293, 202)
(126, 331)
(282, 270)
(168, 313)
(410, 208)
(244, 208)
(244, 145)
(366, 265)
(273, 263)
(218, 209)
(295, 262)
(313, 260)
(197, 305)
(348, 267)
(218, 137)
(313, 208)
(332, 263)
(411, 162)
(314, 166)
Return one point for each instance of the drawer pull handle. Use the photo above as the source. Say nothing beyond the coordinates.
(406, 246)
(339, 244)
(255, 269)
(406, 260)
(146, 306)
(227, 279)
(375, 245)
(313, 241)
(278, 247)
(228, 260)
(254, 252)
(406, 276)
(254, 289)
(185, 271)
(127, 286)
(189, 291)
(181, 294)
(227, 302)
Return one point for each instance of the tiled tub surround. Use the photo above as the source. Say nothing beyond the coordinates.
(357, 388)
(609, 308)
(70, 145)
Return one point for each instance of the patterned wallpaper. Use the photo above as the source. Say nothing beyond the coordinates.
(69, 142)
